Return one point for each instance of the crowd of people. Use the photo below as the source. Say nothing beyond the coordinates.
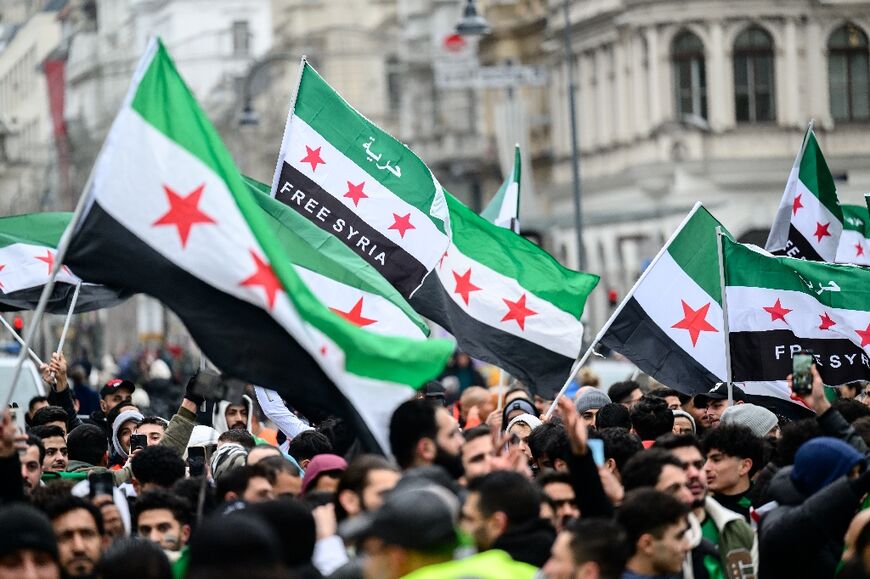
(620, 482)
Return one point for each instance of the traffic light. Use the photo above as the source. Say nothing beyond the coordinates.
(18, 324)
(612, 298)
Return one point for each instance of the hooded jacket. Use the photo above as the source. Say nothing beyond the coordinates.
(738, 544)
(528, 542)
(815, 502)
(219, 419)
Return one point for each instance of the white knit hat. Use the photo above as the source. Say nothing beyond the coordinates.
(756, 418)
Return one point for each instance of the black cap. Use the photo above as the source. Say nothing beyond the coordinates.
(420, 519)
(23, 527)
(720, 392)
(112, 385)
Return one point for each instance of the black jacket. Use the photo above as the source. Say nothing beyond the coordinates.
(529, 542)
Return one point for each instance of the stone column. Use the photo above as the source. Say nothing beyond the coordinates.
(720, 82)
(788, 83)
(656, 111)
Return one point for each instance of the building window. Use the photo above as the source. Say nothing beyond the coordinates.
(690, 75)
(753, 76)
(848, 74)
(241, 38)
(394, 83)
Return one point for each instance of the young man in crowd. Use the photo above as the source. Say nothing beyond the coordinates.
(363, 485)
(423, 434)
(54, 441)
(625, 393)
(715, 402)
(78, 527)
(589, 403)
(250, 484)
(28, 548)
(591, 548)
(31, 464)
(733, 454)
(478, 452)
(651, 418)
(162, 518)
(557, 487)
(656, 527)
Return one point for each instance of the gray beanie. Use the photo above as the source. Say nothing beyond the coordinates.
(591, 400)
(757, 419)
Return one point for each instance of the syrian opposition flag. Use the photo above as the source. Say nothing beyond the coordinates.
(169, 215)
(855, 239)
(671, 325)
(344, 281)
(350, 178)
(28, 246)
(504, 208)
(809, 220)
(507, 301)
(778, 306)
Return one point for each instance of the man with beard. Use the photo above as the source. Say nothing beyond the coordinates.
(733, 537)
(78, 527)
(363, 485)
(232, 415)
(423, 434)
(162, 518)
(31, 464)
(55, 457)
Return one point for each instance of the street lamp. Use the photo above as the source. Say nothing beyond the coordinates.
(472, 23)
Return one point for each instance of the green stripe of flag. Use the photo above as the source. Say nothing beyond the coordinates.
(695, 251)
(43, 229)
(324, 110)
(166, 103)
(310, 247)
(532, 267)
(836, 286)
(816, 176)
(856, 218)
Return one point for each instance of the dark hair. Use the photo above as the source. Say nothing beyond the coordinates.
(159, 465)
(648, 511)
(308, 444)
(116, 411)
(549, 477)
(37, 442)
(189, 489)
(161, 422)
(620, 391)
(645, 468)
(620, 445)
(69, 503)
(49, 414)
(665, 392)
(87, 443)
(278, 464)
(550, 440)
(231, 547)
(507, 492)
(236, 479)
(476, 432)
(355, 478)
(34, 401)
(672, 441)
(162, 499)
(291, 522)
(651, 418)
(737, 441)
(411, 422)
(47, 431)
(340, 435)
(242, 437)
(862, 427)
(518, 387)
(850, 409)
(127, 553)
(793, 436)
(601, 541)
(613, 415)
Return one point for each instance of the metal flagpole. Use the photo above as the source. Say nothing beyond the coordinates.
(69, 315)
(620, 307)
(719, 235)
(18, 339)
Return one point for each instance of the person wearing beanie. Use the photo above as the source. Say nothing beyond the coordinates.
(801, 531)
(516, 407)
(589, 403)
(684, 423)
(761, 421)
(27, 543)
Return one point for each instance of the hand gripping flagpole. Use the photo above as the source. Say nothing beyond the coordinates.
(18, 339)
(719, 235)
(591, 350)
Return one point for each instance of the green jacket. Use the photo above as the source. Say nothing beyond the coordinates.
(176, 437)
(738, 544)
(487, 565)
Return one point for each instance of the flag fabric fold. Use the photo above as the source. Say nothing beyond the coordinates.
(507, 301)
(854, 244)
(809, 220)
(504, 208)
(350, 178)
(28, 246)
(778, 306)
(168, 214)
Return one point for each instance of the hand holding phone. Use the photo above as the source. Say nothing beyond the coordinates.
(138, 442)
(196, 460)
(801, 374)
(596, 446)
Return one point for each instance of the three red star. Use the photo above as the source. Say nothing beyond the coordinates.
(401, 224)
(313, 158)
(183, 212)
(354, 316)
(776, 311)
(355, 193)
(822, 231)
(695, 321)
(518, 311)
(464, 287)
(796, 204)
(265, 278)
(865, 335)
(827, 322)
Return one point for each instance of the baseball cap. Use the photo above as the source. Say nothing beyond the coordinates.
(113, 385)
(720, 392)
(420, 518)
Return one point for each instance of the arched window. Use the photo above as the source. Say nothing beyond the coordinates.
(690, 75)
(753, 76)
(848, 74)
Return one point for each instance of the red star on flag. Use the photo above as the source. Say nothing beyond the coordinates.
(1, 269)
(355, 193)
(518, 311)
(354, 316)
(695, 321)
(402, 224)
(865, 335)
(822, 231)
(265, 278)
(796, 204)
(464, 286)
(859, 249)
(183, 212)
(323, 350)
(827, 322)
(313, 157)
(49, 259)
(776, 311)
